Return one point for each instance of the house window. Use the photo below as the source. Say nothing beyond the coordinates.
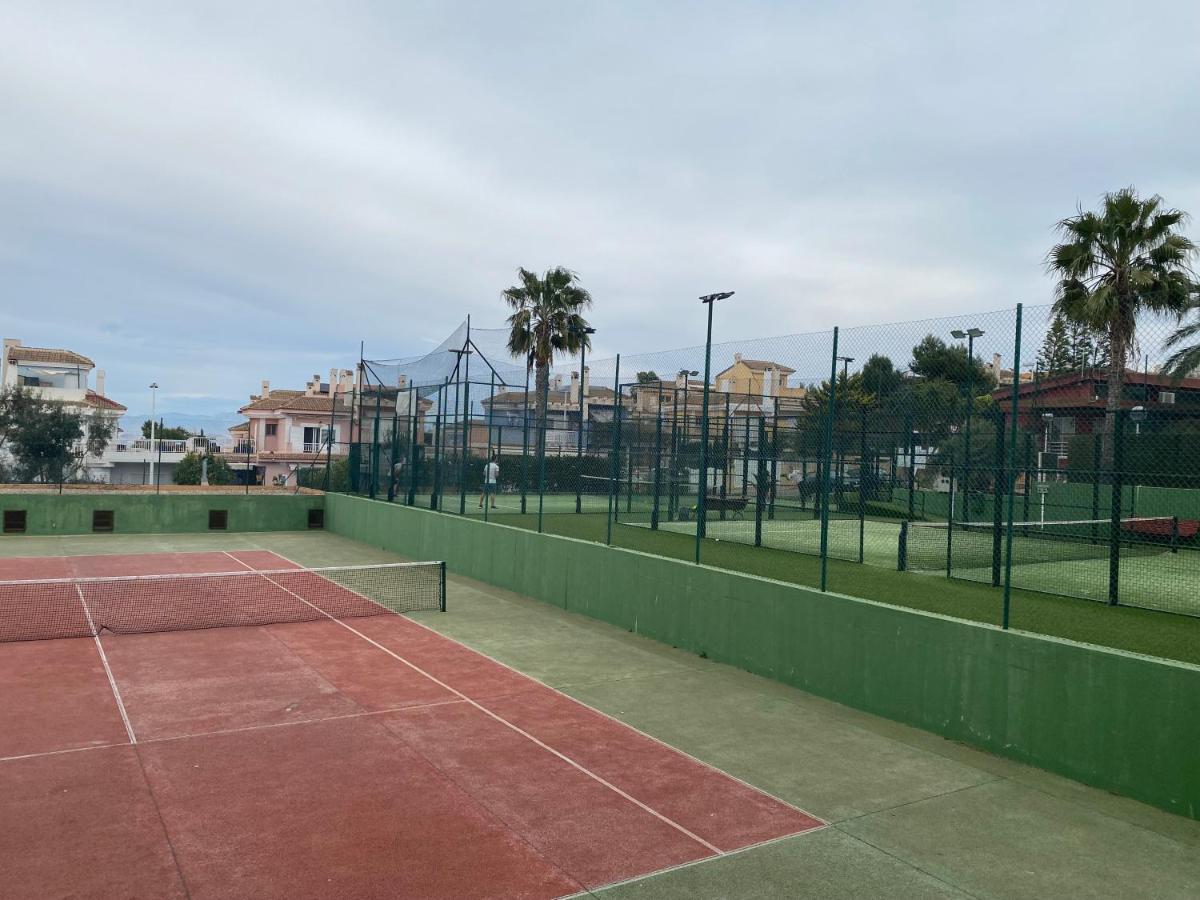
(271, 426)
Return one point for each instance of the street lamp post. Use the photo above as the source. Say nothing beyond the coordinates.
(1048, 422)
(708, 300)
(583, 342)
(153, 398)
(970, 334)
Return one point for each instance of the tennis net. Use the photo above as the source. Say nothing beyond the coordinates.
(953, 546)
(134, 604)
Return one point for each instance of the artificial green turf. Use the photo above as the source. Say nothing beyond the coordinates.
(1125, 628)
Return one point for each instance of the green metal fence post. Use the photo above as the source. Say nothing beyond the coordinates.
(524, 439)
(373, 483)
(773, 481)
(1118, 471)
(466, 426)
(657, 459)
(1012, 467)
(912, 466)
(391, 491)
(746, 453)
(489, 500)
(760, 477)
(999, 492)
(543, 425)
(862, 484)
(674, 470)
(950, 521)
(828, 454)
(615, 466)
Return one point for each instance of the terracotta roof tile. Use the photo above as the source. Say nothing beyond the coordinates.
(760, 365)
(48, 355)
(101, 402)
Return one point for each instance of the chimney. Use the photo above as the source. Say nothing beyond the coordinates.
(574, 385)
(100, 382)
(737, 357)
(587, 381)
(333, 385)
(314, 385)
(266, 388)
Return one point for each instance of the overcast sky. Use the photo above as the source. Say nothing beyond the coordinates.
(246, 191)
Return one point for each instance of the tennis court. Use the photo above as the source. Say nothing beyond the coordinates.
(501, 748)
(229, 724)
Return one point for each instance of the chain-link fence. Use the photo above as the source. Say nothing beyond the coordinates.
(982, 448)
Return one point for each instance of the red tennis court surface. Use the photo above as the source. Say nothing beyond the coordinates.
(366, 757)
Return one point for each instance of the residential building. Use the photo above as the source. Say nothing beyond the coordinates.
(1061, 406)
(763, 383)
(505, 412)
(287, 430)
(63, 376)
(1004, 376)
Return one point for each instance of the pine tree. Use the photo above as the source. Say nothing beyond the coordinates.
(1087, 349)
(1055, 357)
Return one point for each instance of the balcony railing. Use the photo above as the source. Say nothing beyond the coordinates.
(145, 445)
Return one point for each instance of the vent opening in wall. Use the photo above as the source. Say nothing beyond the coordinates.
(103, 520)
(316, 518)
(218, 519)
(14, 521)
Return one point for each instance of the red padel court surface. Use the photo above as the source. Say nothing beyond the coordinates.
(365, 757)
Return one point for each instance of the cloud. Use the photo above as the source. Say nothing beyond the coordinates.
(208, 199)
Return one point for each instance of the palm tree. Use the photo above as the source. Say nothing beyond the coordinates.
(1115, 265)
(1186, 359)
(546, 319)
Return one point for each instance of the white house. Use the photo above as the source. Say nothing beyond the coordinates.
(62, 376)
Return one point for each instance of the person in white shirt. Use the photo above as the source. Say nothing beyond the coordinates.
(491, 481)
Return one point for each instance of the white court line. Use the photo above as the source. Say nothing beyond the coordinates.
(243, 728)
(603, 714)
(483, 709)
(112, 682)
(590, 892)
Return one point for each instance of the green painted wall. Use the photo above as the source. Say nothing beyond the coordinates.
(161, 513)
(1121, 722)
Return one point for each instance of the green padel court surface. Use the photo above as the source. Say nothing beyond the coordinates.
(969, 596)
(909, 814)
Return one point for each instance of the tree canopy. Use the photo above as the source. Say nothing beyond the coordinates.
(934, 358)
(1115, 265)
(188, 470)
(547, 319)
(168, 433)
(48, 440)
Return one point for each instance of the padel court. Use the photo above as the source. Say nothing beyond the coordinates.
(229, 724)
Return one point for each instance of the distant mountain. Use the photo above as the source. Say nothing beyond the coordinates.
(212, 425)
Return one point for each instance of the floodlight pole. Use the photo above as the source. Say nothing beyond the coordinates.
(708, 300)
(583, 342)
